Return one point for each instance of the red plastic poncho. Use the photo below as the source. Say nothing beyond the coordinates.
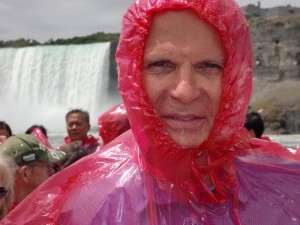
(113, 123)
(143, 177)
(37, 132)
(90, 143)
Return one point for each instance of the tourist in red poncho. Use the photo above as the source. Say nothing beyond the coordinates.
(78, 126)
(185, 75)
(113, 123)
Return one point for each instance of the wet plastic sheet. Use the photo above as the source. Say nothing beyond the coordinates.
(113, 123)
(143, 177)
(41, 137)
(110, 188)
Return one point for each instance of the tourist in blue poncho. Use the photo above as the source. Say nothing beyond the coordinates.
(185, 75)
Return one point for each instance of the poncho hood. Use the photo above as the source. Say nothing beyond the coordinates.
(157, 152)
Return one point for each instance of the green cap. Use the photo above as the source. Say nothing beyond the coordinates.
(26, 148)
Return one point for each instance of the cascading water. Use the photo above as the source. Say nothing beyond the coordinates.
(41, 84)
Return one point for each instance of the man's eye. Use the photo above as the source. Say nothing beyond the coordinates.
(161, 64)
(212, 65)
(159, 67)
(209, 68)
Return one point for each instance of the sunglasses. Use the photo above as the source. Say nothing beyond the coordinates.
(3, 192)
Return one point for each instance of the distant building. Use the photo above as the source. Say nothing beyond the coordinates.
(252, 10)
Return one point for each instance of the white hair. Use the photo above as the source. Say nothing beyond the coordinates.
(8, 170)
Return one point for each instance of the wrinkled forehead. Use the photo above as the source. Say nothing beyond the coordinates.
(185, 28)
(76, 117)
(4, 132)
(173, 18)
(168, 19)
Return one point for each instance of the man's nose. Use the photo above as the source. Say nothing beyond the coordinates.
(185, 88)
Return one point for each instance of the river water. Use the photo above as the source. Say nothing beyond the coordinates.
(291, 140)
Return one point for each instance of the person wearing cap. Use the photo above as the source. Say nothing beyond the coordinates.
(34, 161)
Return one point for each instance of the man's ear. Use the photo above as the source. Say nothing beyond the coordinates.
(24, 173)
(253, 135)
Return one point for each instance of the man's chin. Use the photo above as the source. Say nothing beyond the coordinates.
(75, 138)
(188, 141)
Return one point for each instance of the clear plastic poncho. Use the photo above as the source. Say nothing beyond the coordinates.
(143, 177)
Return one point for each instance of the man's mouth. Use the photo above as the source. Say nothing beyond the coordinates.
(184, 118)
(183, 121)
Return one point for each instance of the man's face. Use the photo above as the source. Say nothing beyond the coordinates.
(77, 126)
(182, 75)
(39, 172)
(4, 135)
(2, 197)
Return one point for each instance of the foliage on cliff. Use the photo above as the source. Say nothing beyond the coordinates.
(93, 38)
(18, 43)
(288, 21)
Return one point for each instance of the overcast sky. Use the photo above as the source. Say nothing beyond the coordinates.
(45, 19)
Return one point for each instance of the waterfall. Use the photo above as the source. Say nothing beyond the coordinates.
(41, 84)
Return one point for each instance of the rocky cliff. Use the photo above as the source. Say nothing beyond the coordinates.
(276, 58)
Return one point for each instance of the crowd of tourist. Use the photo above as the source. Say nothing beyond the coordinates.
(27, 160)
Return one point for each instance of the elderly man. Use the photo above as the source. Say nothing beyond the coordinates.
(34, 161)
(78, 126)
(185, 72)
